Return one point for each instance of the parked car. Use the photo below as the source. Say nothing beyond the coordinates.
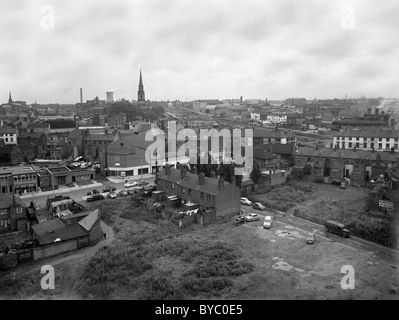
(311, 238)
(111, 195)
(93, 192)
(239, 220)
(343, 185)
(245, 201)
(129, 184)
(95, 197)
(108, 189)
(258, 206)
(337, 228)
(122, 193)
(143, 183)
(252, 217)
(84, 165)
(267, 224)
(336, 182)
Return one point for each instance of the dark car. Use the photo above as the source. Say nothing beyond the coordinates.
(93, 192)
(143, 183)
(109, 189)
(239, 220)
(95, 197)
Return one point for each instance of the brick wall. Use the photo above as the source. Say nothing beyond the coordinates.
(54, 249)
(96, 233)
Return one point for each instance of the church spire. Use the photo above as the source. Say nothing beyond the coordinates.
(9, 97)
(141, 93)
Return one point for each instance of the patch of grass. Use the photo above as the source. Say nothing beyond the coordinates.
(27, 286)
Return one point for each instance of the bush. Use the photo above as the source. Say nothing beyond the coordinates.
(319, 180)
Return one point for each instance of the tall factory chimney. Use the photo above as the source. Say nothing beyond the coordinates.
(81, 96)
(110, 96)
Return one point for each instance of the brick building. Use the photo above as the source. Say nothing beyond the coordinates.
(12, 214)
(208, 193)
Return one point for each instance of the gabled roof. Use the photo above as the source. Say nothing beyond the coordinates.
(347, 154)
(128, 144)
(6, 201)
(40, 125)
(76, 134)
(50, 232)
(8, 130)
(210, 185)
(88, 222)
(368, 133)
(30, 135)
(99, 137)
(263, 153)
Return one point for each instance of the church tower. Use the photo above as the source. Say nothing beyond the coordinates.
(140, 93)
(9, 98)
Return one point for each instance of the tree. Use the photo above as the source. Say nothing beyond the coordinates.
(256, 173)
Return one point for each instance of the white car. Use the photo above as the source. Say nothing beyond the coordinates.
(267, 224)
(130, 184)
(252, 217)
(246, 202)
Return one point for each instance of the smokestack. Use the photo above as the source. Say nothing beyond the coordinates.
(81, 95)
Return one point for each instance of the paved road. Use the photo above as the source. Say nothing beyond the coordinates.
(77, 195)
(383, 253)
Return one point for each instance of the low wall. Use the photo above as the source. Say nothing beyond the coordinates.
(54, 249)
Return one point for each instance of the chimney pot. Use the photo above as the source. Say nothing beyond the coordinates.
(201, 178)
(221, 184)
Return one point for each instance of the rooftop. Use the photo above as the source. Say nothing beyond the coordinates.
(8, 130)
(368, 133)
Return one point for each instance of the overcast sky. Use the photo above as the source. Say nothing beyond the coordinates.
(198, 49)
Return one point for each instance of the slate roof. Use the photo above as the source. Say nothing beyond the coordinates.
(29, 135)
(49, 232)
(99, 137)
(368, 133)
(76, 134)
(128, 144)
(8, 130)
(210, 186)
(6, 201)
(88, 222)
(347, 154)
(263, 153)
(40, 125)
(272, 134)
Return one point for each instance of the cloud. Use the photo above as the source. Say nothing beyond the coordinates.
(197, 49)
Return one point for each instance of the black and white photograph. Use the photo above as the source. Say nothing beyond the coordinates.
(210, 153)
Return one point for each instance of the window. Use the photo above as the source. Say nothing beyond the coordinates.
(357, 138)
(173, 185)
(19, 210)
(350, 144)
(3, 211)
(380, 139)
(4, 189)
(380, 146)
(357, 145)
(189, 192)
(202, 195)
(365, 145)
(208, 197)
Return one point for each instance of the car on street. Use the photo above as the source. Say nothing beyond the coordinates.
(129, 184)
(122, 193)
(311, 238)
(93, 192)
(245, 201)
(267, 224)
(239, 220)
(258, 206)
(143, 183)
(252, 217)
(108, 189)
(111, 195)
(343, 185)
(95, 197)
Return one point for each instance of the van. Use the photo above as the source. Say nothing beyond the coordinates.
(267, 224)
(337, 228)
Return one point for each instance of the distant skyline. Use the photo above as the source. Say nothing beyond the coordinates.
(202, 49)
